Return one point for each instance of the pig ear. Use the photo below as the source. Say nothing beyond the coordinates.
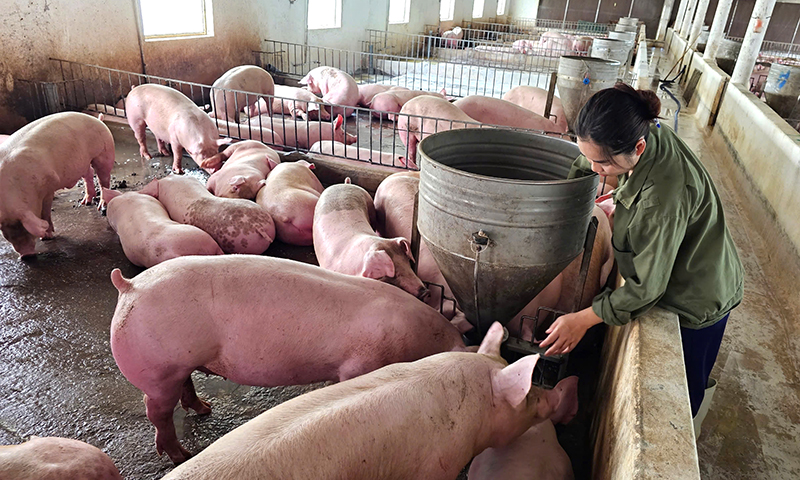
(443, 92)
(405, 246)
(151, 189)
(306, 164)
(272, 163)
(491, 342)
(378, 264)
(304, 80)
(339, 121)
(514, 381)
(34, 225)
(236, 181)
(347, 180)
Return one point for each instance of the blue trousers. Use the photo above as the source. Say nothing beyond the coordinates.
(700, 349)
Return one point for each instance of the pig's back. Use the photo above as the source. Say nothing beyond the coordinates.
(394, 204)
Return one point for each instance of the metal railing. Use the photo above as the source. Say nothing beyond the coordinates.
(373, 138)
(433, 73)
(775, 51)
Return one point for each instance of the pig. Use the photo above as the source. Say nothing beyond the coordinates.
(355, 153)
(237, 225)
(500, 112)
(441, 115)
(335, 86)
(297, 102)
(606, 203)
(247, 78)
(554, 44)
(527, 47)
(452, 37)
(535, 99)
(46, 155)
(345, 240)
(54, 458)
(246, 167)
(269, 322)
(394, 208)
(420, 420)
(147, 234)
(3, 138)
(534, 455)
(290, 195)
(392, 102)
(304, 134)
(366, 92)
(581, 44)
(173, 119)
(255, 130)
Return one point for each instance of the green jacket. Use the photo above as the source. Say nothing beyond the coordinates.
(670, 239)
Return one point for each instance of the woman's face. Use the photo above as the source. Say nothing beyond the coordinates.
(618, 164)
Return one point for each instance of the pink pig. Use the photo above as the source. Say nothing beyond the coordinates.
(147, 234)
(237, 225)
(290, 195)
(354, 153)
(392, 101)
(366, 92)
(500, 112)
(54, 458)
(246, 167)
(293, 323)
(226, 105)
(303, 134)
(420, 420)
(173, 119)
(46, 155)
(335, 86)
(535, 99)
(297, 102)
(345, 240)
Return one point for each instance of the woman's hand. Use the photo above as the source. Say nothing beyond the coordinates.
(567, 331)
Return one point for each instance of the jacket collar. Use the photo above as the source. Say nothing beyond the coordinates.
(629, 189)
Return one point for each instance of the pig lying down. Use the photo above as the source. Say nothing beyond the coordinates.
(290, 195)
(355, 153)
(53, 458)
(226, 105)
(345, 240)
(244, 172)
(297, 102)
(535, 99)
(147, 234)
(173, 119)
(42, 157)
(366, 92)
(388, 104)
(420, 420)
(291, 133)
(259, 321)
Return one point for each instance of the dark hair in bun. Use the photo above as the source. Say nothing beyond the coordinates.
(616, 118)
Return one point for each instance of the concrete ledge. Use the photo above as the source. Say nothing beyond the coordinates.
(643, 426)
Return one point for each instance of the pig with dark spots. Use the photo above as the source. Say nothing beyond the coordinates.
(42, 157)
(227, 105)
(53, 458)
(175, 119)
(391, 102)
(247, 165)
(345, 240)
(237, 225)
(495, 111)
(534, 99)
(290, 195)
(147, 234)
(335, 86)
(420, 420)
(269, 322)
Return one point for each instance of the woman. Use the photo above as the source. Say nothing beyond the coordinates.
(670, 239)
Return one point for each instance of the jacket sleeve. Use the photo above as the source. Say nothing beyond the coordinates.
(654, 241)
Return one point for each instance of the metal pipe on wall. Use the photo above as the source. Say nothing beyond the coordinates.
(630, 10)
(597, 12)
(717, 32)
(679, 18)
(662, 23)
(564, 22)
(751, 45)
(794, 35)
(733, 15)
(687, 19)
(699, 20)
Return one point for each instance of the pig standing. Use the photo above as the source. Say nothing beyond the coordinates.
(173, 119)
(297, 102)
(452, 37)
(355, 153)
(237, 225)
(394, 206)
(246, 166)
(290, 195)
(54, 458)
(147, 234)
(366, 92)
(392, 101)
(46, 155)
(420, 420)
(227, 105)
(440, 115)
(302, 134)
(535, 455)
(268, 322)
(500, 112)
(535, 99)
(335, 86)
(345, 240)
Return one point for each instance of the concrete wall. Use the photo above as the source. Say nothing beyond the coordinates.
(423, 12)
(523, 8)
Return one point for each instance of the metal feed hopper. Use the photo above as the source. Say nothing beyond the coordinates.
(499, 216)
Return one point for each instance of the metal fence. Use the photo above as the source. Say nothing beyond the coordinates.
(371, 137)
(774, 51)
(432, 73)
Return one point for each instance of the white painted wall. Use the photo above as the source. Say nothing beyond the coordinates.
(423, 12)
(524, 8)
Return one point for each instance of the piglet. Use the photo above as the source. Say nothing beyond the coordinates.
(420, 420)
(246, 167)
(147, 234)
(46, 155)
(237, 225)
(387, 104)
(335, 86)
(264, 321)
(355, 153)
(297, 102)
(290, 195)
(345, 240)
(500, 112)
(173, 119)
(54, 458)
(302, 134)
(535, 99)
(226, 105)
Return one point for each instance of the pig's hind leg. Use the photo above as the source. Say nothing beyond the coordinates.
(102, 165)
(88, 180)
(177, 157)
(159, 409)
(140, 132)
(189, 399)
(162, 147)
